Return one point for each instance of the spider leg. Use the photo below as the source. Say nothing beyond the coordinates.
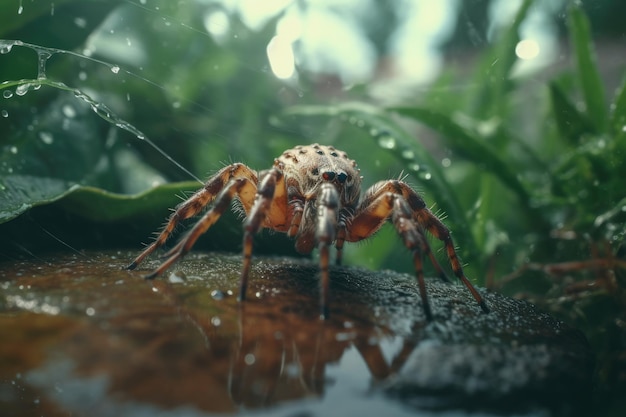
(254, 221)
(438, 269)
(344, 215)
(327, 208)
(411, 217)
(435, 227)
(237, 186)
(341, 238)
(196, 203)
(414, 240)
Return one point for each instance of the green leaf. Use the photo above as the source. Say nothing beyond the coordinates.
(45, 154)
(591, 83)
(493, 73)
(618, 114)
(572, 124)
(103, 206)
(53, 22)
(467, 143)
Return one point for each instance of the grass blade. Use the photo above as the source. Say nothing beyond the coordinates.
(593, 89)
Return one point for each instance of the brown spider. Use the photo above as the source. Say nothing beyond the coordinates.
(312, 193)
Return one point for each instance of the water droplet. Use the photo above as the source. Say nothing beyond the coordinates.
(68, 111)
(177, 277)
(22, 89)
(80, 22)
(216, 321)
(386, 141)
(43, 56)
(5, 46)
(115, 69)
(7, 94)
(46, 137)
(90, 311)
(4, 113)
(408, 154)
(217, 295)
(446, 162)
(249, 359)
(13, 150)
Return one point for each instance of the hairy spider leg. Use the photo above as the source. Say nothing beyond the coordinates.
(254, 221)
(296, 206)
(236, 187)
(196, 203)
(327, 210)
(344, 215)
(413, 239)
(373, 211)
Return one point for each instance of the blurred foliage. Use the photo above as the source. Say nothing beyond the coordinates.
(529, 175)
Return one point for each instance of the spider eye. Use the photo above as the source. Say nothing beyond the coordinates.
(342, 177)
(329, 176)
(315, 171)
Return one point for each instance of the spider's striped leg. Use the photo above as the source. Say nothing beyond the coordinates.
(427, 220)
(414, 240)
(195, 204)
(438, 269)
(254, 221)
(327, 208)
(239, 187)
(344, 215)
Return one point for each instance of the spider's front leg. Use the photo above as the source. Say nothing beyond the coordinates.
(254, 221)
(201, 199)
(327, 207)
(410, 216)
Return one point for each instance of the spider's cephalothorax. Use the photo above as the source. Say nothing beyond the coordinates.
(312, 193)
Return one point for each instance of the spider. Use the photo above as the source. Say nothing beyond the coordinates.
(312, 193)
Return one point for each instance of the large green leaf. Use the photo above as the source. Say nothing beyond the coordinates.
(467, 143)
(591, 83)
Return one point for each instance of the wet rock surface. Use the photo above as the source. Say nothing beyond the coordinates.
(81, 336)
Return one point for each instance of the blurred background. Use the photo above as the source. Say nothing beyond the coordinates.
(508, 116)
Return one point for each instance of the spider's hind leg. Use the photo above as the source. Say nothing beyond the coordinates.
(196, 203)
(239, 186)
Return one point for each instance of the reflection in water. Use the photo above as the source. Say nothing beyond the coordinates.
(150, 347)
(274, 357)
